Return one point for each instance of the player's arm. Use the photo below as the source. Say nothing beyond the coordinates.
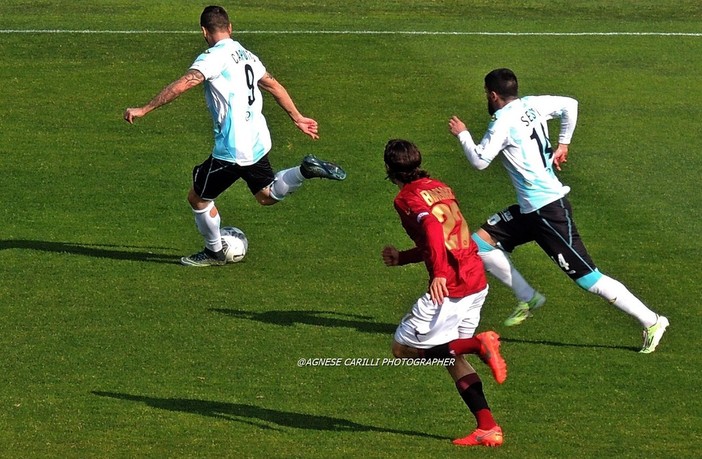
(478, 155)
(393, 257)
(438, 258)
(282, 98)
(167, 94)
(413, 255)
(560, 155)
(566, 109)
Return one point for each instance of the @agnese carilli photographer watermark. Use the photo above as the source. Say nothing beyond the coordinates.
(372, 362)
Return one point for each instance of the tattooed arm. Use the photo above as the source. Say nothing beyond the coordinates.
(167, 94)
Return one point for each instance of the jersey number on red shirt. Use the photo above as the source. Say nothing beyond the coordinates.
(456, 232)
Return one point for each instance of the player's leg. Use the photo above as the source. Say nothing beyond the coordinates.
(617, 294)
(498, 236)
(562, 242)
(467, 381)
(289, 180)
(207, 221)
(470, 388)
(210, 179)
(431, 329)
(427, 328)
(260, 178)
(452, 349)
(438, 332)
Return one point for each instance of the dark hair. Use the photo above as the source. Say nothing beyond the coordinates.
(403, 159)
(214, 18)
(503, 82)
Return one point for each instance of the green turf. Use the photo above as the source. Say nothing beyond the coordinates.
(111, 349)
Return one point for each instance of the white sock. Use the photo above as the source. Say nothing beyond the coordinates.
(616, 293)
(208, 226)
(286, 182)
(498, 264)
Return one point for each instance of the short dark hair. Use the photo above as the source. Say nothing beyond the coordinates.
(403, 159)
(214, 18)
(503, 82)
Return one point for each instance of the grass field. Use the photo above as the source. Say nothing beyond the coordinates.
(111, 349)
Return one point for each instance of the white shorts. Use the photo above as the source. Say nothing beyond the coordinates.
(428, 325)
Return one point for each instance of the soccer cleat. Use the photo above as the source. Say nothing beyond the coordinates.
(490, 354)
(205, 258)
(653, 334)
(479, 437)
(313, 167)
(523, 310)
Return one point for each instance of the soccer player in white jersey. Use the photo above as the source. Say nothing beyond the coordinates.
(233, 78)
(518, 133)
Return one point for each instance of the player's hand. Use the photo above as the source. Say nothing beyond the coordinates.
(308, 126)
(560, 156)
(391, 256)
(438, 290)
(456, 126)
(131, 113)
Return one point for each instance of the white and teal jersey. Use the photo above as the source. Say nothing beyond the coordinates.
(231, 91)
(519, 131)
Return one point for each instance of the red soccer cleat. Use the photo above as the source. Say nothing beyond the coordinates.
(490, 354)
(479, 437)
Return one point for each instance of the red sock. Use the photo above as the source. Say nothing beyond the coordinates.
(465, 346)
(471, 390)
(485, 419)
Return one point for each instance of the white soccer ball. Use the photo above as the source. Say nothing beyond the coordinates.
(234, 243)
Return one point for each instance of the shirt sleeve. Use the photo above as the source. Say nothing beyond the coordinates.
(432, 245)
(564, 108)
(207, 64)
(481, 155)
(413, 255)
(438, 259)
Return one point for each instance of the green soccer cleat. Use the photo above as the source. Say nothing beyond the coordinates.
(312, 167)
(524, 308)
(653, 334)
(205, 258)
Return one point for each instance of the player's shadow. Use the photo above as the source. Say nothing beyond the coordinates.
(263, 418)
(320, 318)
(363, 324)
(544, 342)
(92, 250)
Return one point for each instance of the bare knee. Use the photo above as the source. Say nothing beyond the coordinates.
(268, 201)
(195, 201)
(400, 351)
(264, 197)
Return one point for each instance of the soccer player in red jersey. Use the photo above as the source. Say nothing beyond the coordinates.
(441, 324)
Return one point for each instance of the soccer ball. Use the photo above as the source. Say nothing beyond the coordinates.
(234, 243)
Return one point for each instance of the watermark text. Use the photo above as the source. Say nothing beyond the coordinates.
(372, 362)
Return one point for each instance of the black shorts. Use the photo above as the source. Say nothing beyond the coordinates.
(212, 177)
(552, 227)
